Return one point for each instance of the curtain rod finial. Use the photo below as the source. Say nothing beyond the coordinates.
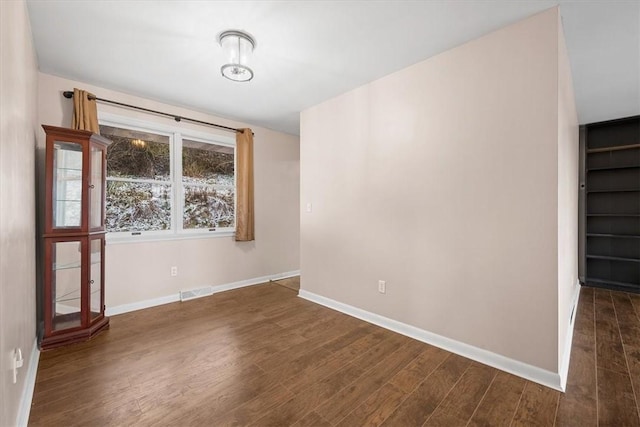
(67, 94)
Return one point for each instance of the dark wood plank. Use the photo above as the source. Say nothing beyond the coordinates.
(633, 359)
(537, 406)
(421, 403)
(609, 351)
(312, 419)
(381, 403)
(458, 407)
(616, 402)
(500, 402)
(261, 356)
(577, 406)
(586, 313)
(199, 405)
(635, 300)
(423, 365)
(378, 406)
(587, 295)
(602, 297)
(628, 322)
(310, 397)
(340, 405)
(336, 361)
(255, 408)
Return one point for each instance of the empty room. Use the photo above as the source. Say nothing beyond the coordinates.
(320, 213)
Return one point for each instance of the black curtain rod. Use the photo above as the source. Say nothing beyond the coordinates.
(69, 94)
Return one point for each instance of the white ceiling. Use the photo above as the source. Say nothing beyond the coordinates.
(310, 51)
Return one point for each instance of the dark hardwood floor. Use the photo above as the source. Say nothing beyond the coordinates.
(261, 356)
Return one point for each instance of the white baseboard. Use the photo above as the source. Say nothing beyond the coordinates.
(564, 365)
(29, 386)
(139, 305)
(515, 367)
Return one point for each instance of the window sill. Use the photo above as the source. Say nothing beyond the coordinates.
(126, 239)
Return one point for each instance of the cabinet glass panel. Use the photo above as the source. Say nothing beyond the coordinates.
(66, 285)
(67, 184)
(95, 187)
(95, 280)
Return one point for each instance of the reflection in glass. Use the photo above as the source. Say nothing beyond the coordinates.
(66, 285)
(95, 188)
(206, 207)
(138, 206)
(137, 155)
(95, 282)
(204, 163)
(67, 184)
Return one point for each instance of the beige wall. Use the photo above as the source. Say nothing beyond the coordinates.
(567, 196)
(140, 271)
(442, 179)
(17, 201)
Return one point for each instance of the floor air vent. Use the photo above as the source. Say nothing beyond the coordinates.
(196, 293)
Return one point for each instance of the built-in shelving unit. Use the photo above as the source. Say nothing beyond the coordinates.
(613, 204)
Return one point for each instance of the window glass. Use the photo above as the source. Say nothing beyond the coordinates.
(138, 206)
(134, 154)
(143, 191)
(209, 185)
(206, 207)
(205, 163)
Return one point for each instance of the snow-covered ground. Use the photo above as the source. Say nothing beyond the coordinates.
(133, 206)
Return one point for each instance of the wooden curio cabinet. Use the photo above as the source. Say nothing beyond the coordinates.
(74, 236)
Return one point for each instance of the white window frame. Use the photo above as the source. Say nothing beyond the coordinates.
(176, 135)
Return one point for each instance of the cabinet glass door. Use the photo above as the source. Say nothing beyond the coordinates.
(66, 285)
(95, 278)
(96, 195)
(67, 184)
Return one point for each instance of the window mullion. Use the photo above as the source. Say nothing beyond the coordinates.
(178, 207)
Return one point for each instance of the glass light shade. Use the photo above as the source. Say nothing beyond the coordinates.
(238, 47)
(138, 143)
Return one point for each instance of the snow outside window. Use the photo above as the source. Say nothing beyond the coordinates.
(167, 183)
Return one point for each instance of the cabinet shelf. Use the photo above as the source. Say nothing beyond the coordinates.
(613, 258)
(622, 190)
(617, 236)
(611, 168)
(72, 265)
(612, 284)
(614, 148)
(614, 215)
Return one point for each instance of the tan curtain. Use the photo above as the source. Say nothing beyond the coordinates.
(244, 180)
(85, 111)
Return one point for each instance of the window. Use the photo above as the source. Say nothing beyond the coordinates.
(164, 182)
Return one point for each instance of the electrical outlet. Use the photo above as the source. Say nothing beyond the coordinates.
(174, 271)
(382, 286)
(309, 208)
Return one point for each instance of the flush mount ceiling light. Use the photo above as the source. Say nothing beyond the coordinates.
(238, 47)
